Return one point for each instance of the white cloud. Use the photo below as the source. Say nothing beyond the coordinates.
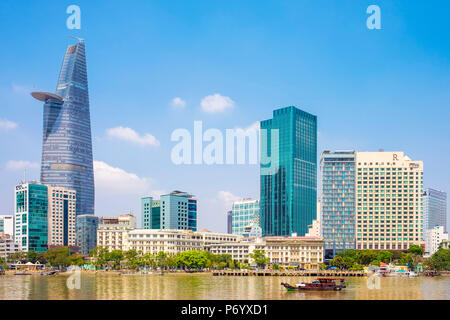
(7, 124)
(128, 134)
(21, 164)
(253, 127)
(110, 180)
(21, 89)
(226, 198)
(118, 191)
(216, 103)
(178, 102)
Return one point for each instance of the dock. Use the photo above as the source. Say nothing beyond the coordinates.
(300, 273)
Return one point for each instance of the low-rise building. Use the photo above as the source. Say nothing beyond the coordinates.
(112, 231)
(304, 252)
(433, 239)
(8, 246)
(173, 241)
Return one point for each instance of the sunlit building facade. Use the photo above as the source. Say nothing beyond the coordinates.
(288, 172)
(338, 201)
(67, 144)
(389, 189)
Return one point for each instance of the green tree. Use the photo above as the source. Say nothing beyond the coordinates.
(58, 257)
(19, 256)
(416, 250)
(259, 257)
(384, 256)
(440, 260)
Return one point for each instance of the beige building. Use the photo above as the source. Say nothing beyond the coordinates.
(389, 188)
(112, 231)
(174, 241)
(7, 247)
(61, 216)
(304, 252)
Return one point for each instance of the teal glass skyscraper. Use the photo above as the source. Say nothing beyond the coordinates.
(67, 144)
(31, 208)
(289, 177)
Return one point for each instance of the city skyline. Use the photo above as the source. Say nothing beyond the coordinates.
(164, 89)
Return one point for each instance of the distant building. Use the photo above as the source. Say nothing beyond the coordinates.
(173, 241)
(389, 189)
(230, 222)
(434, 209)
(112, 231)
(245, 213)
(86, 232)
(434, 238)
(289, 176)
(302, 252)
(7, 226)
(31, 231)
(178, 210)
(315, 228)
(61, 216)
(7, 247)
(146, 211)
(338, 201)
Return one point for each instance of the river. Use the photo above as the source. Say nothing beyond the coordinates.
(205, 286)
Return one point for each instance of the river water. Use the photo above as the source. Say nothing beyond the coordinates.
(206, 286)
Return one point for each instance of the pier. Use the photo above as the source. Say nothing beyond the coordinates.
(300, 273)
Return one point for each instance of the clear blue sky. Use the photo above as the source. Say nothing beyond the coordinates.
(370, 89)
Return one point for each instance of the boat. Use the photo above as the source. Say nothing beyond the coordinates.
(22, 274)
(48, 273)
(431, 273)
(335, 284)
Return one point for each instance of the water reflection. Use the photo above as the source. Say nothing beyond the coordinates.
(204, 286)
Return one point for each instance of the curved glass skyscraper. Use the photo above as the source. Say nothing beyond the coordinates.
(67, 144)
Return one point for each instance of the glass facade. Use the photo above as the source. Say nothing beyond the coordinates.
(434, 209)
(177, 210)
(31, 217)
(289, 187)
(245, 213)
(146, 211)
(67, 145)
(338, 201)
(86, 233)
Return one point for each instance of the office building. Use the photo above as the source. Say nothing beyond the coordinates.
(389, 188)
(338, 201)
(61, 216)
(230, 222)
(245, 213)
(178, 210)
(433, 239)
(30, 219)
(146, 211)
(86, 232)
(434, 209)
(288, 172)
(7, 226)
(67, 144)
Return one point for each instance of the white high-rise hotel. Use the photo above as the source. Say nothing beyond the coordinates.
(389, 188)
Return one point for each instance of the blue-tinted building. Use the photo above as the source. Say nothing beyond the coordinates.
(434, 209)
(176, 210)
(338, 201)
(289, 180)
(86, 231)
(67, 145)
(30, 219)
(245, 214)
